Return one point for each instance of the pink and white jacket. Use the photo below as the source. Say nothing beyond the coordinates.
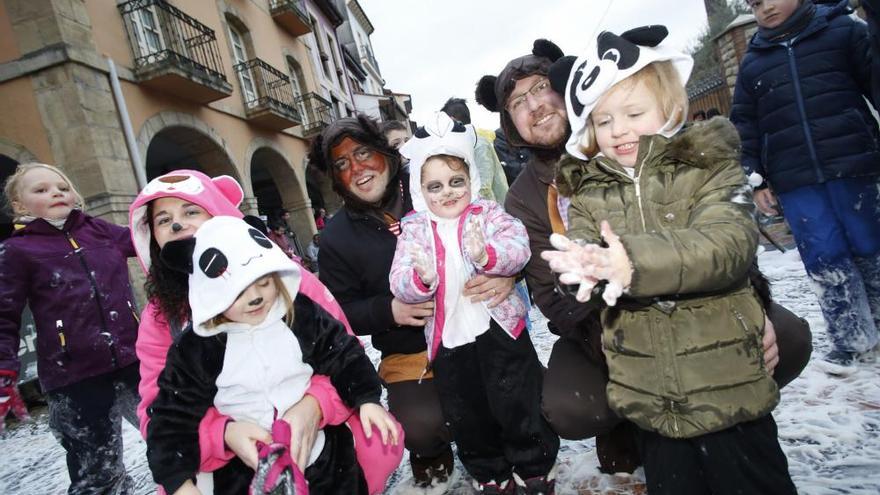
(507, 245)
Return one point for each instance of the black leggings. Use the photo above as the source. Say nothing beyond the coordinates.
(490, 392)
(86, 418)
(745, 458)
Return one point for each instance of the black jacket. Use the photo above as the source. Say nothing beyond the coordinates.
(187, 386)
(356, 255)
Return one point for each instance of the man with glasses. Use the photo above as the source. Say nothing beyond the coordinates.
(533, 116)
(357, 248)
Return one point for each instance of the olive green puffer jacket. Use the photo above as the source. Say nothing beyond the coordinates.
(684, 346)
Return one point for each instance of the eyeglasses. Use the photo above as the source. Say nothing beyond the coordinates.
(538, 89)
(360, 154)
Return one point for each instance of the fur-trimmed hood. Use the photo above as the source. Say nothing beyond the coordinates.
(702, 145)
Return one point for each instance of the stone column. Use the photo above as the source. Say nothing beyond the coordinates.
(75, 102)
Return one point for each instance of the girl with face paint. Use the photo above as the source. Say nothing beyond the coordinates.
(451, 237)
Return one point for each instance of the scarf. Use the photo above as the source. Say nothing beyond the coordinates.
(465, 320)
(26, 219)
(792, 26)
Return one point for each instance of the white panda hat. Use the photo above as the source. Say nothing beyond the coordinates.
(441, 135)
(223, 258)
(608, 60)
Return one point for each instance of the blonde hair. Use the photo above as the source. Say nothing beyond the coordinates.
(13, 184)
(282, 291)
(663, 81)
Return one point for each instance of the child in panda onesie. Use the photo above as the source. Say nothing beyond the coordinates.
(254, 344)
(486, 370)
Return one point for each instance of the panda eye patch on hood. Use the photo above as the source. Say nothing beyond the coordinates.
(230, 255)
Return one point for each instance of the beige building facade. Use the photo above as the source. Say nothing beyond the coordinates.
(119, 92)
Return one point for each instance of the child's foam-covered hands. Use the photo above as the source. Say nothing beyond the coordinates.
(423, 266)
(474, 242)
(588, 264)
(569, 260)
(375, 415)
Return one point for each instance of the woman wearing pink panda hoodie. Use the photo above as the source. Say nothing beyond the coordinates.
(172, 207)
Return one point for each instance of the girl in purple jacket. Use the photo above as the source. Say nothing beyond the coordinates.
(71, 269)
(486, 370)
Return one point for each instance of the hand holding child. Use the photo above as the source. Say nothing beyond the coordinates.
(303, 418)
(475, 242)
(241, 437)
(376, 415)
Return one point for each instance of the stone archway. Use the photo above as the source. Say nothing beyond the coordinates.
(187, 142)
(276, 185)
(173, 140)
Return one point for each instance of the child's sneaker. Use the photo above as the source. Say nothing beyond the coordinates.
(493, 488)
(539, 485)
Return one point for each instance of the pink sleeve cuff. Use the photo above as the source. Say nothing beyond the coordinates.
(420, 286)
(333, 410)
(493, 258)
(212, 445)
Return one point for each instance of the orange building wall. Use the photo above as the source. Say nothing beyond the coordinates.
(26, 129)
(8, 45)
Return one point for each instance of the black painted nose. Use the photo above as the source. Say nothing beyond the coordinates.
(176, 227)
(256, 302)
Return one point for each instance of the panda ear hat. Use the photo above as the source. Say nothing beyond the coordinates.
(440, 136)
(608, 60)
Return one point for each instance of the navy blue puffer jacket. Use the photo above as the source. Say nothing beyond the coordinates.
(799, 105)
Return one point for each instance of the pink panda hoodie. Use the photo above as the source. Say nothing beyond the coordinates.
(220, 196)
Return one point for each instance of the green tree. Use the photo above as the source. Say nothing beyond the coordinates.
(720, 14)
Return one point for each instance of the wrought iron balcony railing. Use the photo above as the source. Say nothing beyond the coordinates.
(268, 95)
(169, 45)
(316, 111)
(291, 15)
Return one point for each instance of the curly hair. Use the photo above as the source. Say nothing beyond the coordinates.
(167, 288)
(366, 131)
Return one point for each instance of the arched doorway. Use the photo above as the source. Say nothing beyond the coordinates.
(177, 147)
(7, 168)
(276, 186)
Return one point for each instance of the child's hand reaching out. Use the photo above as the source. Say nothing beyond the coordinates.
(474, 241)
(376, 415)
(587, 265)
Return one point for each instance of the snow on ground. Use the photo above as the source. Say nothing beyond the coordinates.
(828, 426)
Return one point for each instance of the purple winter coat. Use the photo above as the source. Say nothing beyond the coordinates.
(86, 289)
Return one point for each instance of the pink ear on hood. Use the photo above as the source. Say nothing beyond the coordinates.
(219, 196)
(229, 188)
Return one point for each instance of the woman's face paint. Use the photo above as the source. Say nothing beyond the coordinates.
(362, 170)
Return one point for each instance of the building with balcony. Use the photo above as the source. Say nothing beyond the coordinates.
(369, 92)
(117, 93)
